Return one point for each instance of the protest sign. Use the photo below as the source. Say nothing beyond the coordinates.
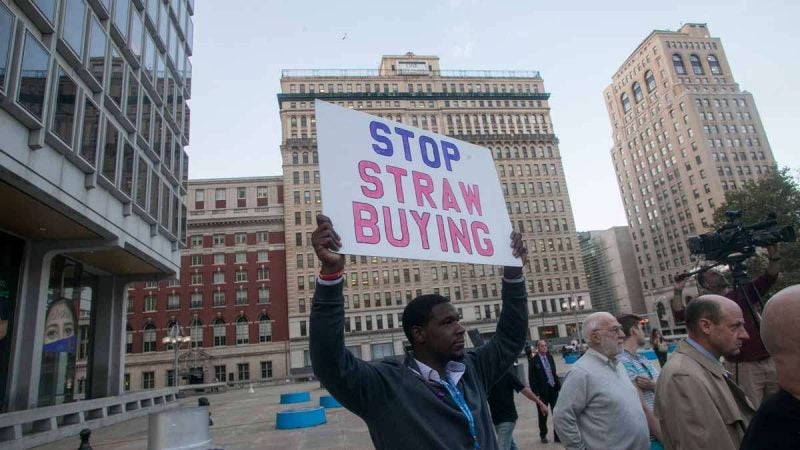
(402, 192)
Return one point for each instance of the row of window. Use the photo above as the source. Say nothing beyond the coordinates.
(542, 188)
(221, 196)
(219, 259)
(176, 301)
(219, 331)
(219, 239)
(495, 88)
(431, 104)
(239, 276)
(242, 370)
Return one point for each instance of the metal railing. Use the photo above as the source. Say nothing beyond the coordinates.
(364, 73)
(37, 426)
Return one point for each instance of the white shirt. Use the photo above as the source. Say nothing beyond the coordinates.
(454, 371)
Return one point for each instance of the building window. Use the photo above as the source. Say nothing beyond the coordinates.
(380, 351)
(697, 67)
(241, 296)
(244, 371)
(219, 333)
(241, 276)
(262, 273)
(650, 81)
(219, 277)
(196, 332)
(626, 102)
(240, 258)
(173, 301)
(264, 329)
(196, 260)
(33, 76)
(196, 300)
(637, 91)
(262, 236)
(149, 338)
(148, 380)
(150, 303)
(219, 298)
(220, 373)
(262, 256)
(219, 239)
(128, 340)
(242, 331)
(261, 196)
(263, 295)
(677, 62)
(713, 64)
(303, 328)
(266, 370)
(240, 238)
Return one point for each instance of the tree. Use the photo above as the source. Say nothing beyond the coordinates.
(779, 193)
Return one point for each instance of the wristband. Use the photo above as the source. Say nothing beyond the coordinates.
(330, 276)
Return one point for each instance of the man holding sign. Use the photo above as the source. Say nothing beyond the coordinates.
(436, 398)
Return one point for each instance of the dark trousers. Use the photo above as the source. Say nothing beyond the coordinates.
(549, 398)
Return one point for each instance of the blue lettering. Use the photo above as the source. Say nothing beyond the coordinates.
(374, 126)
(424, 143)
(451, 153)
(406, 134)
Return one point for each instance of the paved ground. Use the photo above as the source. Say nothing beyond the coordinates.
(247, 421)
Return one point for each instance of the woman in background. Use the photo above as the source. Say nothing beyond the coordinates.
(659, 346)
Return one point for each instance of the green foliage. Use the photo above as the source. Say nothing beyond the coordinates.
(778, 192)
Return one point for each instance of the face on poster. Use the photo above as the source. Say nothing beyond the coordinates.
(396, 191)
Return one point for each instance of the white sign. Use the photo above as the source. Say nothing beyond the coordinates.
(412, 67)
(401, 192)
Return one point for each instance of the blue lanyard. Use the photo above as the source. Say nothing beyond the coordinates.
(458, 398)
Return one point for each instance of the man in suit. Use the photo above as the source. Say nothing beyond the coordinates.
(544, 382)
(698, 404)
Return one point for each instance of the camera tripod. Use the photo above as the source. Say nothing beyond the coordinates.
(743, 286)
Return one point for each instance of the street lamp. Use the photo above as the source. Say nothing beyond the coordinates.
(574, 305)
(175, 339)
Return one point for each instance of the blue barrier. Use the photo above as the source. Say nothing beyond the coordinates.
(300, 418)
(295, 397)
(649, 354)
(326, 401)
(571, 358)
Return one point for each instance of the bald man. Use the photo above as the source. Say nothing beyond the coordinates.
(698, 404)
(599, 407)
(777, 422)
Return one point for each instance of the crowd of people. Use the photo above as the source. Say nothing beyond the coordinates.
(728, 385)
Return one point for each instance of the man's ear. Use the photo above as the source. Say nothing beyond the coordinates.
(418, 334)
(705, 326)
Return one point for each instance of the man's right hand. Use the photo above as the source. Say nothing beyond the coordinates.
(326, 241)
(679, 282)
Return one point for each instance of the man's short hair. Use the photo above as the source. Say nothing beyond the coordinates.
(418, 312)
(702, 308)
(628, 321)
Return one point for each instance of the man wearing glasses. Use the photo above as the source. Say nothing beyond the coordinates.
(598, 406)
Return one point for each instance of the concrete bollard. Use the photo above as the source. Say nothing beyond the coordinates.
(85, 435)
(203, 401)
(183, 428)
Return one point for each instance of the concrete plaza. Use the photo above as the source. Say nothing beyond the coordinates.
(247, 421)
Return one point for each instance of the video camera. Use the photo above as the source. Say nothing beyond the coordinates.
(737, 241)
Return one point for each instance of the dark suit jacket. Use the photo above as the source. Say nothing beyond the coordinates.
(537, 377)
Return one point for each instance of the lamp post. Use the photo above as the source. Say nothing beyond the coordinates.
(573, 305)
(175, 339)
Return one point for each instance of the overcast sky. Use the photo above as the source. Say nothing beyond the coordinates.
(240, 47)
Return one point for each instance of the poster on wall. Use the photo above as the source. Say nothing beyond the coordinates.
(392, 190)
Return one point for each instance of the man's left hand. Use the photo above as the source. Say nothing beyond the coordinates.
(519, 250)
(645, 384)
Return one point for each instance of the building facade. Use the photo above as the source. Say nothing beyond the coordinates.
(613, 276)
(507, 112)
(231, 297)
(684, 133)
(93, 167)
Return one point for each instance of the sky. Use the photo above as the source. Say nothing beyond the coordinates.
(240, 47)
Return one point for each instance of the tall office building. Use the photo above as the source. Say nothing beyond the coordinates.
(684, 133)
(230, 301)
(94, 122)
(610, 264)
(507, 112)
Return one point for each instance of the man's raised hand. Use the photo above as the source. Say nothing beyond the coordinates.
(326, 241)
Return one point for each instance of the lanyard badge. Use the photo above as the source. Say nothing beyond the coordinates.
(458, 398)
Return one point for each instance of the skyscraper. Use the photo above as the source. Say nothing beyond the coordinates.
(684, 133)
(505, 111)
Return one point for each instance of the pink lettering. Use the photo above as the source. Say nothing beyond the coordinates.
(459, 235)
(487, 249)
(423, 187)
(369, 222)
(398, 173)
(422, 224)
(472, 197)
(376, 191)
(448, 197)
(387, 220)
